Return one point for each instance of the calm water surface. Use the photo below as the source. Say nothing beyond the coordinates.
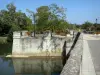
(30, 66)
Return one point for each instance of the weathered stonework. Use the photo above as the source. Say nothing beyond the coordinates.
(72, 66)
(26, 45)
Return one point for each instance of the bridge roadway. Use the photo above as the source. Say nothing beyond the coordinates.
(94, 47)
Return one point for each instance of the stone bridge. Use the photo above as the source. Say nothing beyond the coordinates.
(83, 57)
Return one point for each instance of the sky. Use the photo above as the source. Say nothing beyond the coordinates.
(78, 11)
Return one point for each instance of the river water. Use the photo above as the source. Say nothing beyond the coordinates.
(30, 66)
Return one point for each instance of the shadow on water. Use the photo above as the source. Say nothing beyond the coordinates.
(30, 66)
(5, 48)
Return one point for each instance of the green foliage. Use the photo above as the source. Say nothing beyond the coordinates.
(11, 8)
(50, 17)
(11, 20)
(57, 12)
(10, 34)
(86, 25)
(3, 40)
(73, 26)
(30, 28)
(43, 15)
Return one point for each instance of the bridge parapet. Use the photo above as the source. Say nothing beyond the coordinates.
(74, 57)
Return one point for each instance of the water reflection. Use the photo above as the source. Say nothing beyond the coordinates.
(6, 66)
(31, 66)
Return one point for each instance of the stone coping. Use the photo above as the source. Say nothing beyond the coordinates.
(25, 56)
(43, 54)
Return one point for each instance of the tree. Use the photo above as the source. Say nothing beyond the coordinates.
(43, 15)
(34, 18)
(11, 8)
(11, 20)
(57, 12)
(50, 17)
(4, 22)
(11, 11)
(22, 20)
(86, 25)
(57, 17)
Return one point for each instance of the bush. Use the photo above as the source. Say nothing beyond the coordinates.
(10, 34)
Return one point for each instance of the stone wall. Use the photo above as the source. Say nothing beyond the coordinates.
(27, 45)
(24, 44)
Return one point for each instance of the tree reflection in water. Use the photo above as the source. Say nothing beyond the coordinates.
(43, 66)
